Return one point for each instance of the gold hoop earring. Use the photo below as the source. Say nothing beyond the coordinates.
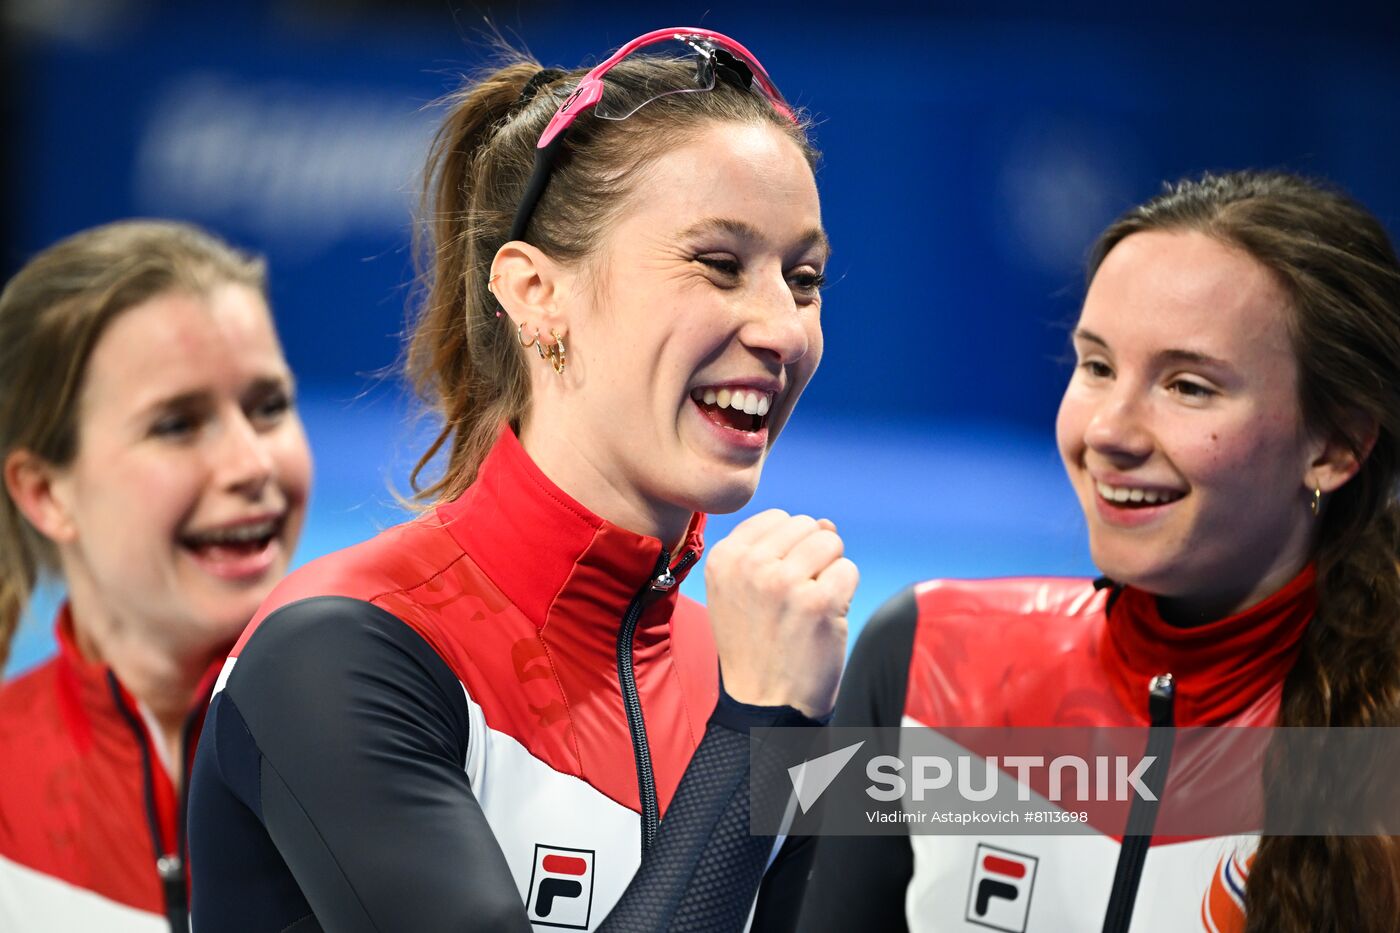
(556, 353)
(1316, 500)
(520, 335)
(491, 283)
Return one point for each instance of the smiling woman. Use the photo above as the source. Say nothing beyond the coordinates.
(477, 720)
(1181, 430)
(1232, 432)
(153, 460)
(719, 306)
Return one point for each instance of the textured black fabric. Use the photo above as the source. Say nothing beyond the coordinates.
(859, 882)
(701, 874)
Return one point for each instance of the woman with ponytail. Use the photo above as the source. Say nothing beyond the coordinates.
(502, 715)
(1232, 430)
(155, 467)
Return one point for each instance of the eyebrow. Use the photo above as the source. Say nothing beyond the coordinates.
(260, 386)
(1174, 355)
(814, 238)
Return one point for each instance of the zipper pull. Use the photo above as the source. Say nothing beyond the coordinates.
(170, 868)
(666, 580)
(1161, 693)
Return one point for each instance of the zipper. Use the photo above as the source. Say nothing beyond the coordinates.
(170, 866)
(663, 580)
(1142, 815)
(178, 896)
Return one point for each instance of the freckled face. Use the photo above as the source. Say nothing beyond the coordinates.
(1180, 428)
(703, 328)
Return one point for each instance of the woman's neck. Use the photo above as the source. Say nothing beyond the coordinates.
(162, 678)
(603, 493)
(1190, 610)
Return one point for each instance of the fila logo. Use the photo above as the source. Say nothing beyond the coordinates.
(561, 887)
(1002, 880)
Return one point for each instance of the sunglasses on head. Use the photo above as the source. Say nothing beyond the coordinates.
(717, 58)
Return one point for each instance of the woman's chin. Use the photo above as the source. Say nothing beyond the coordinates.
(723, 494)
(1139, 573)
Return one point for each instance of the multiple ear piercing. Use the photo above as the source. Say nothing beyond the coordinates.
(556, 353)
(491, 287)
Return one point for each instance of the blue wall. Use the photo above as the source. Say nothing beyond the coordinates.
(970, 157)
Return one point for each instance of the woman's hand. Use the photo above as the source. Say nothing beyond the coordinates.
(778, 591)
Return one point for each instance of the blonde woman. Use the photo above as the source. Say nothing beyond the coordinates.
(155, 464)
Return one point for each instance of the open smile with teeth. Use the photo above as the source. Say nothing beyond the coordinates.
(1131, 496)
(235, 539)
(736, 407)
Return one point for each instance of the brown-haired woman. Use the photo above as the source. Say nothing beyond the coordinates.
(155, 465)
(477, 719)
(1232, 430)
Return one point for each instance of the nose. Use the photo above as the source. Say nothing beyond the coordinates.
(245, 457)
(776, 324)
(1117, 429)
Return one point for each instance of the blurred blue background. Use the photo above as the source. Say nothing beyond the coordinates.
(971, 153)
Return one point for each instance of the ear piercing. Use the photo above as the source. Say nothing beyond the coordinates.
(556, 353)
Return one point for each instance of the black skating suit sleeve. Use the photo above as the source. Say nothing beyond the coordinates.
(329, 793)
(859, 882)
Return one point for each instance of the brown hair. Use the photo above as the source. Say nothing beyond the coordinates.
(1341, 273)
(52, 314)
(464, 362)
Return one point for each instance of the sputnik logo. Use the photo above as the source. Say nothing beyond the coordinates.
(811, 778)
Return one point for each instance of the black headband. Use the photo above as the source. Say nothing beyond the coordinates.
(532, 87)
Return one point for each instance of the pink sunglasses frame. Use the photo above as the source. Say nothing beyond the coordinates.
(590, 91)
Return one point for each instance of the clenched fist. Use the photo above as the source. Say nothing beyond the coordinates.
(778, 591)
